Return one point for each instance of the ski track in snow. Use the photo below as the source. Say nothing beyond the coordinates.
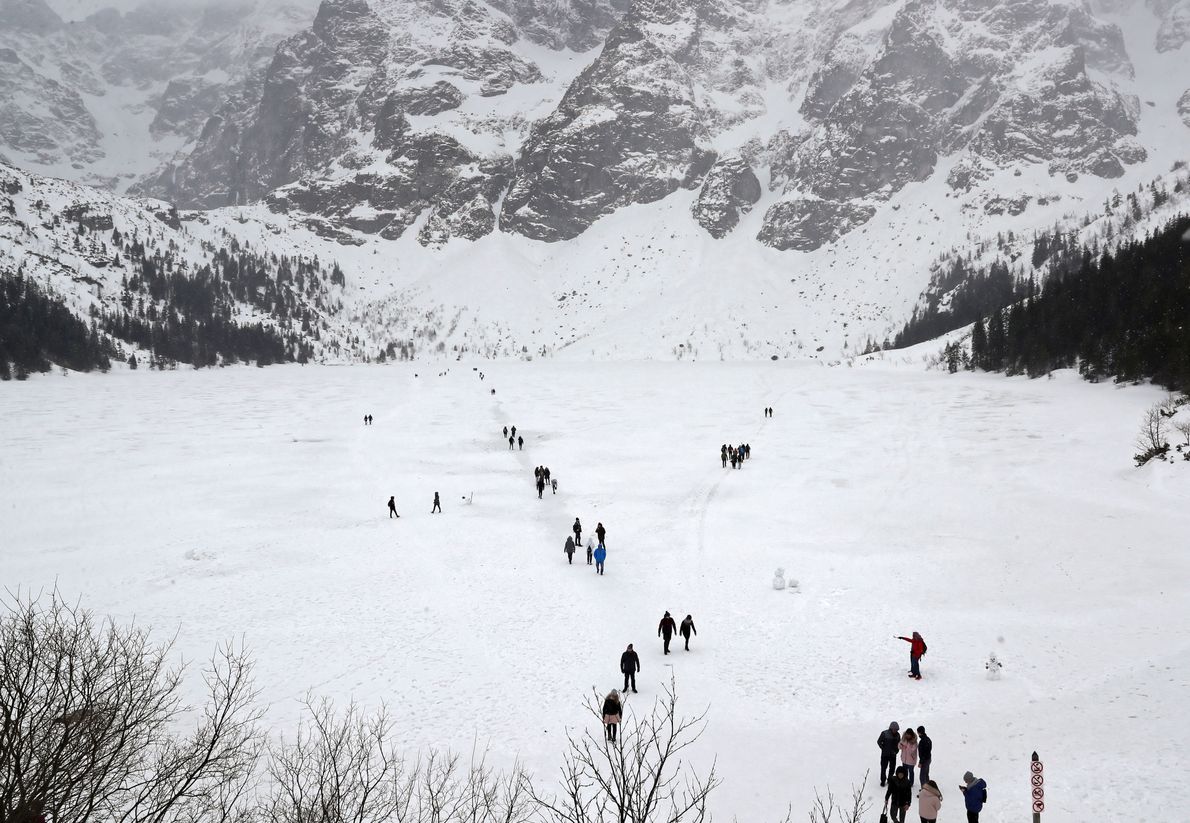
(246, 502)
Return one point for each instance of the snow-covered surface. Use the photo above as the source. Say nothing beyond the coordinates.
(990, 514)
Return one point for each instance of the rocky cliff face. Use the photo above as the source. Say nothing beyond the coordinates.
(996, 84)
(453, 119)
(106, 99)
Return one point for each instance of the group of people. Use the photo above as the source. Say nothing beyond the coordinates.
(367, 420)
(667, 627)
(541, 478)
(511, 434)
(736, 455)
(596, 551)
(915, 751)
(768, 411)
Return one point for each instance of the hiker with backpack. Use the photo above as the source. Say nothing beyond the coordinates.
(917, 648)
(975, 794)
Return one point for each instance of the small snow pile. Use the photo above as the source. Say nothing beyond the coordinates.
(993, 667)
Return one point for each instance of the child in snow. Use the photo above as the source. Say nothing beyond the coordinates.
(612, 709)
(590, 549)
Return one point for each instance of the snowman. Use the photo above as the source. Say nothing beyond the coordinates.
(993, 666)
(779, 579)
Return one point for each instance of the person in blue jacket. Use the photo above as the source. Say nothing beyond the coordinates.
(600, 556)
(975, 794)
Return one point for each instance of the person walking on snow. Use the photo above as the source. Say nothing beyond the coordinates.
(554, 486)
(975, 794)
(629, 665)
(917, 648)
(590, 549)
(540, 486)
(569, 549)
(600, 556)
(513, 431)
(577, 528)
(889, 742)
(899, 796)
(612, 710)
(929, 801)
(511, 442)
(925, 751)
(909, 753)
(392, 507)
(686, 628)
(520, 442)
(723, 456)
(666, 629)
(600, 532)
(437, 504)
(506, 431)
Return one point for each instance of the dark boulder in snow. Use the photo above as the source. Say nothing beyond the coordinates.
(729, 191)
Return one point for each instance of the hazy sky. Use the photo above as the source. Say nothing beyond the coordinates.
(78, 9)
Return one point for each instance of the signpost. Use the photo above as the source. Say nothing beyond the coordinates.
(1038, 780)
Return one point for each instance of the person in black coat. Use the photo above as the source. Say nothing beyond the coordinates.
(889, 742)
(686, 629)
(392, 507)
(437, 504)
(612, 710)
(666, 629)
(520, 442)
(899, 796)
(540, 486)
(629, 665)
(577, 528)
(925, 753)
(569, 549)
(600, 532)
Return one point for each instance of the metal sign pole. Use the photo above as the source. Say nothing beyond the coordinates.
(1038, 781)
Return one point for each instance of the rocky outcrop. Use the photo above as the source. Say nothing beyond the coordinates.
(729, 191)
(627, 131)
(1184, 107)
(1174, 31)
(1000, 84)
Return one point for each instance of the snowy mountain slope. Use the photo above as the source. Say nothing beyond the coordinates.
(84, 246)
(106, 99)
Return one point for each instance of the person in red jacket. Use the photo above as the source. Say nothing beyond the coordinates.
(917, 647)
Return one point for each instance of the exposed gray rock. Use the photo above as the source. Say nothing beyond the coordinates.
(1184, 107)
(834, 77)
(578, 25)
(729, 190)
(50, 122)
(29, 17)
(804, 225)
(627, 131)
(1174, 31)
(427, 100)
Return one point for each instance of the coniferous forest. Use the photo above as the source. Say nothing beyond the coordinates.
(38, 330)
(1125, 314)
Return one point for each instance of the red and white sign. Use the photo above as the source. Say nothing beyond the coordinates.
(1038, 806)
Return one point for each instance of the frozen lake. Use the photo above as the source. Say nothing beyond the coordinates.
(989, 514)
